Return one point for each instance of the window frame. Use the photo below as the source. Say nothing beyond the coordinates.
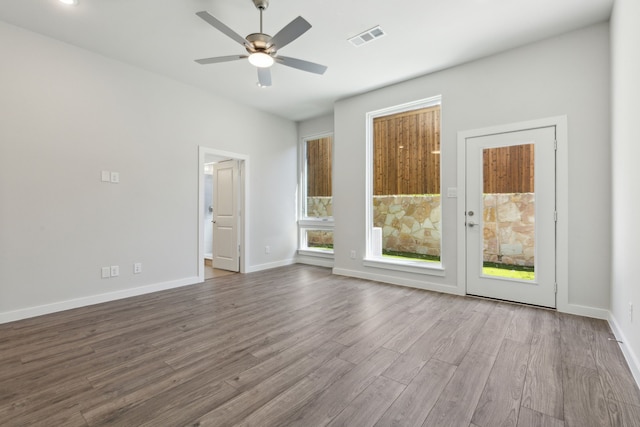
(306, 223)
(370, 259)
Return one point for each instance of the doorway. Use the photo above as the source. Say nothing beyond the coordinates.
(510, 215)
(222, 211)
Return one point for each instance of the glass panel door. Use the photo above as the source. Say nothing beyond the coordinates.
(510, 216)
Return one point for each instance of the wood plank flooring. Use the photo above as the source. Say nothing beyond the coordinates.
(297, 346)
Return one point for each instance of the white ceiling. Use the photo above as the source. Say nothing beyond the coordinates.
(165, 36)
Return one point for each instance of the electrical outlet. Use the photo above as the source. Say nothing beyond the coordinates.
(631, 312)
(115, 177)
(115, 271)
(267, 249)
(106, 272)
(353, 254)
(137, 268)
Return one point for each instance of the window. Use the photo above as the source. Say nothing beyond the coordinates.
(404, 214)
(316, 206)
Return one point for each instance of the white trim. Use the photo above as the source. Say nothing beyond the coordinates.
(316, 253)
(418, 267)
(632, 359)
(24, 313)
(370, 259)
(562, 205)
(394, 280)
(304, 258)
(270, 265)
(317, 224)
(304, 222)
(583, 310)
(243, 205)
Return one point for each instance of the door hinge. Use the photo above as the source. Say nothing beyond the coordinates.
(555, 288)
(555, 216)
(555, 144)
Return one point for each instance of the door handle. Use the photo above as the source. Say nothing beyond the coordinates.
(471, 224)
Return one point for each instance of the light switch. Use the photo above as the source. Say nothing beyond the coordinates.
(106, 176)
(115, 177)
(452, 192)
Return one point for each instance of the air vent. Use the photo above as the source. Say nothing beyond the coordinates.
(367, 36)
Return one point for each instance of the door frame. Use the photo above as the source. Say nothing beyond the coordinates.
(562, 199)
(243, 205)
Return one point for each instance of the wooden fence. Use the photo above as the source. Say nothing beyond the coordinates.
(407, 159)
(319, 153)
(407, 153)
(509, 169)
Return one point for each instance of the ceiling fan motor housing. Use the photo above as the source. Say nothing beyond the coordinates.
(261, 43)
(261, 4)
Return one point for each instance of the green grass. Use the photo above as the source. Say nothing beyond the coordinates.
(489, 268)
(409, 256)
(508, 273)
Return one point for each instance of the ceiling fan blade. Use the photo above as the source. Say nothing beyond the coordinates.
(264, 77)
(217, 59)
(300, 64)
(290, 32)
(222, 27)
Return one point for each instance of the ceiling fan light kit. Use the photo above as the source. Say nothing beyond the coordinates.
(261, 60)
(262, 48)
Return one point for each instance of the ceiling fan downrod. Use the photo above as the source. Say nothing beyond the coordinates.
(261, 5)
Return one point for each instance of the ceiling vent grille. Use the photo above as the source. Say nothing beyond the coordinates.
(367, 36)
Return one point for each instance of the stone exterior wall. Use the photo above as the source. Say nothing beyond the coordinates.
(319, 207)
(319, 239)
(412, 224)
(509, 228)
(409, 223)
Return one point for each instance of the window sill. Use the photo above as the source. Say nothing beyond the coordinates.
(316, 253)
(316, 223)
(431, 269)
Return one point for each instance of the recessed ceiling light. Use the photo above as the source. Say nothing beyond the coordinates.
(69, 2)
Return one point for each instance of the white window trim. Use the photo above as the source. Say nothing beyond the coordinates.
(304, 222)
(371, 260)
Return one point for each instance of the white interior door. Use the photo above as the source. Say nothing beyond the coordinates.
(225, 216)
(510, 212)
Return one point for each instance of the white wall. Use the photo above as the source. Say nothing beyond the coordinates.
(625, 254)
(316, 126)
(566, 75)
(65, 115)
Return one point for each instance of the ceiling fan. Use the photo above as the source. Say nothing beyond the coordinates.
(262, 48)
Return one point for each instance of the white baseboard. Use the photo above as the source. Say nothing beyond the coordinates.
(318, 262)
(629, 354)
(583, 310)
(270, 265)
(25, 313)
(427, 286)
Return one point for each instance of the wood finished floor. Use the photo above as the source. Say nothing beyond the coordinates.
(296, 346)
